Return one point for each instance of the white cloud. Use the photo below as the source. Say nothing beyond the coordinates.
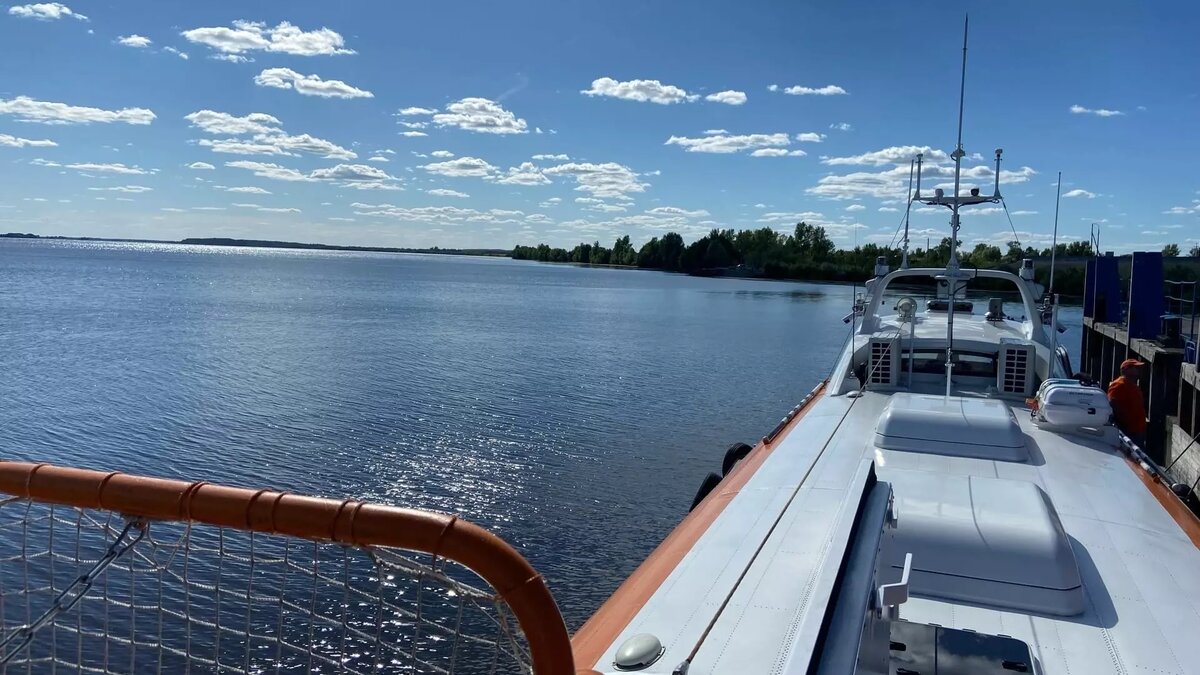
(714, 132)
(223, 123)
(652, 91)
(440, 214)
(888, 209)
(234, 146)
(609, 179)
(272, 171)
(109, 168)
(285, 38)
(810, 137)
(231, 58)
(461, 167)
(1099, 112)
(555, 158)
(279, 209)
(1077, 192)
(100, 168)
(729, 97)
(891, 182)
(26, 109)
(136, 41)
(249, 189)
(442, 192)
(525, 174)
(777, 152)
(123, 188)
(413, 134)
(308, 85)
(45, 11)
(17, 142)
(416, 111)
(480, 115)
(604, 207)
(893, 155)
(856, 207)
(357, 176)
(676, 211)
(280, 145)
(1023, 213)
(841, 126)
(267, 139)
(772, 87)
(308, 144)
(176, 52)
(827, 90)
(172, 209)
(414, 125)
(351, 172)
(441, 154)
(724, 144)
(378, 158)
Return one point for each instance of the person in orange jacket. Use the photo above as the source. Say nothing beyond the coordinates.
(1127, 403)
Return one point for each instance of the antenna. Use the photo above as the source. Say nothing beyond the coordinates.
(952, 270)
(1054, 245)
(958, 153)
(907, 210)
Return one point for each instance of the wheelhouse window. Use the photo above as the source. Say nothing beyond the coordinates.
(966, 364)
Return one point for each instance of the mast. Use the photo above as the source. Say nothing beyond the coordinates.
(954, 274)
(952, 269)
(1054, 241)
(907, 210)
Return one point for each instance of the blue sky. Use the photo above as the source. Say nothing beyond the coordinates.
(491, 124)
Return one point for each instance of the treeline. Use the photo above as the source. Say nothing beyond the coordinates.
(807, 253)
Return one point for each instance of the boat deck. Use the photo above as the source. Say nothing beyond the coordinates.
(768, 555)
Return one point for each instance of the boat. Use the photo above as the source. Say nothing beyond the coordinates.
(947, 501)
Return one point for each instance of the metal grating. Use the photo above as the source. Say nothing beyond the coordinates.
(1015, 362)
(883, 367)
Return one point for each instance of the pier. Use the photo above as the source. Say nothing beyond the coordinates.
(1131, 310)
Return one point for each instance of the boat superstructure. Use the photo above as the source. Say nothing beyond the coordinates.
(948, 501)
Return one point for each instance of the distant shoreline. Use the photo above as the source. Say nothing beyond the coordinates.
(267, 243)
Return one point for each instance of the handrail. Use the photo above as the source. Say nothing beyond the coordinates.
(346, 522)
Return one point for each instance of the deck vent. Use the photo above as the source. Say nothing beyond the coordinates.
(883, 364)
(1015, 374)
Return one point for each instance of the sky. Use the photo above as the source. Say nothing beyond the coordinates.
(483, 124)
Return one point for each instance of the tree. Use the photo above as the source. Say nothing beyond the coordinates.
(650, 255)
(623, 253)
(1014, 252)
(672, 248)
(1195, 252)
(1171, 251)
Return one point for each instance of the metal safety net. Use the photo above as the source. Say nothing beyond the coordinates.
(92, 590)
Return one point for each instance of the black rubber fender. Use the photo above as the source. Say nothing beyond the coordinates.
(736, 453)
(710, 482)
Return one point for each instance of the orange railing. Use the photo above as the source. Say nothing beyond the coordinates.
(347, 522)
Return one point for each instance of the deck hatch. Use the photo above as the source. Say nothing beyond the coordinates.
(992, 541)
(957, 426)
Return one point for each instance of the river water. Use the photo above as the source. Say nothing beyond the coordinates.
(572, 410)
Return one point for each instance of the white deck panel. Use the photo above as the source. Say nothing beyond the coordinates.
(1141, 574)
(681, 609)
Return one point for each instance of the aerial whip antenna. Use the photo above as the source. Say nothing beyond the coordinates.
(907, 210)
(1054, 245)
